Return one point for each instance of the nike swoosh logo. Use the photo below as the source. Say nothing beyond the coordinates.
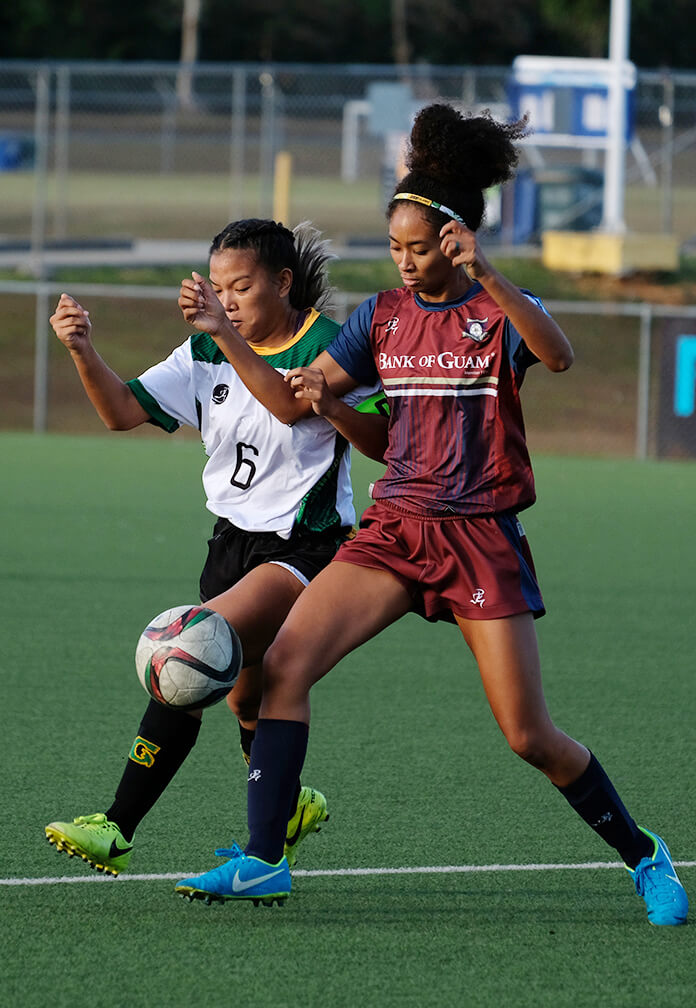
(296, 835)
(114, 851)
(240, 886)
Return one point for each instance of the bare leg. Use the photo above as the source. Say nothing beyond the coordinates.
(343, 607)
(508, 659)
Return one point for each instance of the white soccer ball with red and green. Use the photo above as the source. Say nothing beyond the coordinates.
(188, 657)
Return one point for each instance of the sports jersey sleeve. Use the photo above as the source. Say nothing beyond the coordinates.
(521, 357)
(166, 391)
(352, 349)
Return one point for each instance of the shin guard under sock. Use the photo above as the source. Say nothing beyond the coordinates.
(594, 798)
(277, 756)
(164, 740)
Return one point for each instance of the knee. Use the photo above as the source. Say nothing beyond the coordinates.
(243, 708)
(244, 700)
(531, 745)
(280, 664)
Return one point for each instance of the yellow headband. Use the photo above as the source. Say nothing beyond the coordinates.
(431, 203)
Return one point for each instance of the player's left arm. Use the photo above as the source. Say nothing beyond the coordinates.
(542, 335)
(366, 431)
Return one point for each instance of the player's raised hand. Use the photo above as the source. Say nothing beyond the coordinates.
(309, 383)
(71, 324)
(200, 305)
(461, 246)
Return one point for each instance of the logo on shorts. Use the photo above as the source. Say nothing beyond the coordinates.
(220, 393)
(255, 775)
(479, 597)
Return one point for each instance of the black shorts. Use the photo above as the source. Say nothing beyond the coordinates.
(232, 553)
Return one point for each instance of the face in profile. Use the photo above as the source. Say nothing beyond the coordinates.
(253, 298)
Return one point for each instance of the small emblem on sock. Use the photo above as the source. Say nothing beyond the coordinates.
(143, 752)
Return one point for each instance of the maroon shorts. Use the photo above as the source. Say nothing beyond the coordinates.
(478, 568)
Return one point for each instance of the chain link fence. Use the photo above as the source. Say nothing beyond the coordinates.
(108, 150)
(127, 163)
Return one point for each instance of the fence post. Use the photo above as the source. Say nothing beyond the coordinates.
(62, 147)
(643, 397)
(41, 360)
(237, 138)
(38, 216)
(666, 117)
(267, 141)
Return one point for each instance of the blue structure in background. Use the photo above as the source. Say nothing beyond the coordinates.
(685, 376)
(567, 102)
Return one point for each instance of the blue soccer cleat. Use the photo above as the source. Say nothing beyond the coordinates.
(656, 881)
(241, 878)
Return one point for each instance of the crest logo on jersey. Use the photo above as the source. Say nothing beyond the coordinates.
(220, 393)
(392, 325)
(476, 330)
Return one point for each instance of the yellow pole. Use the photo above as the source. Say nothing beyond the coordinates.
(281, 187)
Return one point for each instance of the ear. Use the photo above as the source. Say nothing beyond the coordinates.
(284, 280)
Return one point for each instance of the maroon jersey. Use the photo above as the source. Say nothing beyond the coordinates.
(452, 373)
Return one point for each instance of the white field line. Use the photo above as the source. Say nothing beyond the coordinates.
(345, 872)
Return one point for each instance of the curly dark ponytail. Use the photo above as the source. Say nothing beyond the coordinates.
(453, 158)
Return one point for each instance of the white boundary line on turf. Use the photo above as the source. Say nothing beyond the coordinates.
(346, 872)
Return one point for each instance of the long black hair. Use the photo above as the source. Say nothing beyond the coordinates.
(276, 248)
(452, 158)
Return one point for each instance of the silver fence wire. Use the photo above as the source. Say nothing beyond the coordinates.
(129, 164)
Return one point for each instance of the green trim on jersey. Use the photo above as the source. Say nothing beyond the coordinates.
(317, 510)
(301, 353)
(377, 403)
(157, 415)
(319, 335)
(204, 348)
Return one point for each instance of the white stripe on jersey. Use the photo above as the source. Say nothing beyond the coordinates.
(454, 393)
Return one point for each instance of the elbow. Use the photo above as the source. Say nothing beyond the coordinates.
(291, 414)
(561, 361)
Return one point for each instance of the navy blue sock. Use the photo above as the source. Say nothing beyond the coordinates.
(594, 798)
(277, 756)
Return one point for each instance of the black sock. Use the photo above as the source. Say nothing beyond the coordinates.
(165, 738)
(246, 737)
(277, 756)
(595, 800)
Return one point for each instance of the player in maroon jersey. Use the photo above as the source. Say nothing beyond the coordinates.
(451, 347)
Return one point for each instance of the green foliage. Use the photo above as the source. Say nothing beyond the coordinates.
(335, 31)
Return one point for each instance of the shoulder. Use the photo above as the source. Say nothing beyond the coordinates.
(202, 347)
(323, 327)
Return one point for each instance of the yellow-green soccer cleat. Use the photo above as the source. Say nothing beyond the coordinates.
(93, 838)
(310, 813)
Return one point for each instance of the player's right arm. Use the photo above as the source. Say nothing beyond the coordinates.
(108, 393)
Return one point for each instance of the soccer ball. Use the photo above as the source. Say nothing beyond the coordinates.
(188, 657)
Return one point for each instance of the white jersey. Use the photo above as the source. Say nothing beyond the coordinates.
(262, 475)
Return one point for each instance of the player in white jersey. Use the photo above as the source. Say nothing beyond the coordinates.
(281, 493)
